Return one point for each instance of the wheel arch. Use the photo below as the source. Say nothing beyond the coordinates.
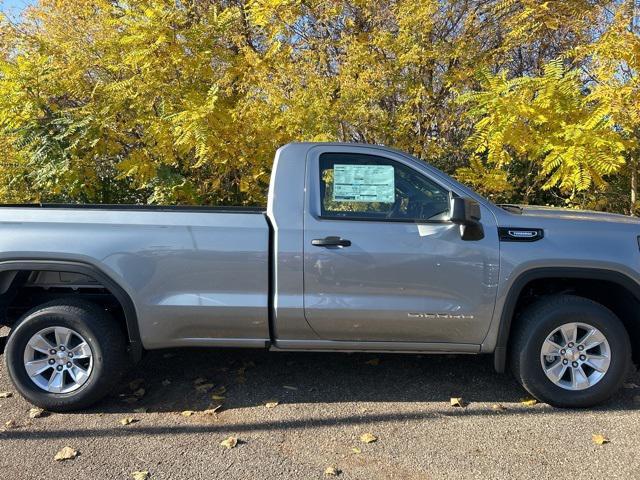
(526, 278)
(10, 269)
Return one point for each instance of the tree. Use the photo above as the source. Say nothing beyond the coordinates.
(548, 124)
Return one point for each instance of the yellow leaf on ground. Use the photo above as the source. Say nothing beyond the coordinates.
(498, 407)
(67, 453)
(140, 475)
(458, 402)
(373, 361)
(187, 413)
(331, 472)
(356, 450)
(213, 409)
(229, 443)
(128, 421)
(368, 438)
(6, 394)
(599, 439)
(529, 402)
(36, 412)
(11, 424)
(271, 403)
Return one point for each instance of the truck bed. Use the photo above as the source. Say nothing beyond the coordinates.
(195, 274)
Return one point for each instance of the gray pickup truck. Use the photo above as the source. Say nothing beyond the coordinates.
(361, 248)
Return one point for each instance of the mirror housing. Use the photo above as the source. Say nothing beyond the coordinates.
(466, 213)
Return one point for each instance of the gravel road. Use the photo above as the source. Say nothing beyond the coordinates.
(325, 403)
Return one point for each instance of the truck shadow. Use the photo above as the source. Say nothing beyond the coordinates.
(178, 380)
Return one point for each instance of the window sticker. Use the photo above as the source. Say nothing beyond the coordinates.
(363, 183)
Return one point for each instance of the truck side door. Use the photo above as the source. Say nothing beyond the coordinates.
(381, 260)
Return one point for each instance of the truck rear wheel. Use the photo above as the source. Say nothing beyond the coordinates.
(570, 351)
(65, 355)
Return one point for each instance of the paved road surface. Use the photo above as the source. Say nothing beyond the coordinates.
(326, 402)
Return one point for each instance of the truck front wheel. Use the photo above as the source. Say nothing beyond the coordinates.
(570, 351)
(65, 355)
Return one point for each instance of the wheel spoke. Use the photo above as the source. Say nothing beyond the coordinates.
(36, 367)
(551, 348)
(578, 378)
(63, 335)
(556, 371)
(593, 339)
(569, 332)
(81, 351)
(598, 362)
(40, 344)
(55, 382)
(77, 373)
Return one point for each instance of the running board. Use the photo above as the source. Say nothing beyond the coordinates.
(391, 347)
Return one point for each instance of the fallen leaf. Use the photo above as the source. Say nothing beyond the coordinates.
(128, 421)
(289, 387)
(136, 384)
(630, 385)
(140, 475)
(498, 407)
(166, 383)
(36, 412)
(218, 397)
(528, 402)
(374, 362)
(368, 438)
(229, 443)
(67, 453)
(599, 439)
(204, 387)
(187, 413)
(199, 381)
(331, 472)
(6, 394)
(213, 410)
(356, 450)
(458, 402)
(11, 424)
(141, 410)
(271, 403)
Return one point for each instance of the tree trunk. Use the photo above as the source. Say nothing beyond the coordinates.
(634, 186)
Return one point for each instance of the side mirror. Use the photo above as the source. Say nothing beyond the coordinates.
(466, 213)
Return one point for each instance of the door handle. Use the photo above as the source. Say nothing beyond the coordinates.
(331, 242)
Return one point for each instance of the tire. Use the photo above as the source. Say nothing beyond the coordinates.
(542, 319)
(100, 371)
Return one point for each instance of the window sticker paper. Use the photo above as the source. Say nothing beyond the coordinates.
(363, 183)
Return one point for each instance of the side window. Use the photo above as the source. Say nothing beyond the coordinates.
(366, 187)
